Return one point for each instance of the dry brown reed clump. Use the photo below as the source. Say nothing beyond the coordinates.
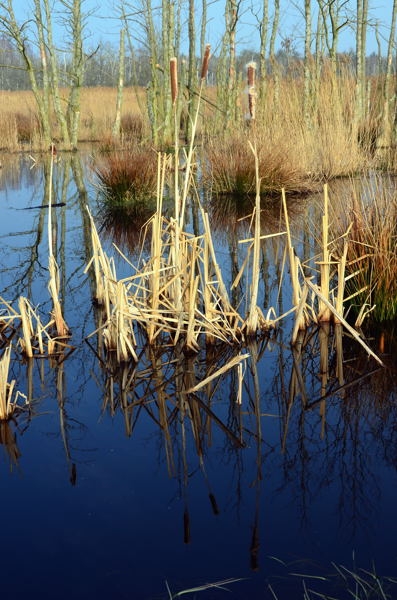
(297, 144)
(371, 281)
(127, 178)
(9, 397)
(231, 169)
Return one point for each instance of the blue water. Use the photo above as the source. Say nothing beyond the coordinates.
(101, 504)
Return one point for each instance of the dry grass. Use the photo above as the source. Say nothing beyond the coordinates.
(232, 170)
(127, 179)
(19, 127)
(371, 263)
(296, 150)
(9, 397)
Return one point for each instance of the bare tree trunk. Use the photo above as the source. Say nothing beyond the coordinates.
(55, 75)
(231, 20)
(264, 30)
(385, 139)
(192, 75)
(203, 28)
(9, 22)
(77, 69)
(307, 100)
(120, 86)
(362, 16)
(272, 53)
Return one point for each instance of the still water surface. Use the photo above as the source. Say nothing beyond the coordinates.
(110, 495)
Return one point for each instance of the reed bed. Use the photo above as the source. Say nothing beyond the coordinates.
(371, 257)
(10, 398)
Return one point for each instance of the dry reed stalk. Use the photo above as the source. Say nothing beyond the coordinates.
(294, 266)
(324, 313)
(27, 328)
(251, 323)
(341, 282)
(8, 400)
(157, 245)
(229, 365)
(349, 328)
(299, 315)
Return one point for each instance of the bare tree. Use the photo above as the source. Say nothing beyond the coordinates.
(46, 81)
(361, 44)
(120, 86)
(385, 139)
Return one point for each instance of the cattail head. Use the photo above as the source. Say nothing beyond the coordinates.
(206, 60)
(251, 69)
(174, 79)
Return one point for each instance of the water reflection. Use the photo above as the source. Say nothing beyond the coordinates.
(274, 457)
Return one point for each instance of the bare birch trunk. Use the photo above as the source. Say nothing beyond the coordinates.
(9, 22)
(264, 30)
(385, 139)
(77, 67)
(307, 100)
(191, 75)
(362, 15)
(55, 75)
(272, 53)
(120, 86)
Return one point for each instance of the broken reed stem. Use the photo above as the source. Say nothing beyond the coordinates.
(27, 329)
(5, 389)
(349, 328)
(252, 320)
(324, 313)
(294, 266)
(341, 282)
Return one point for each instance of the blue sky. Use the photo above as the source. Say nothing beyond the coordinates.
(104, 26)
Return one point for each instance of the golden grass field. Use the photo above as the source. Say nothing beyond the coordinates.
(18, 122)
(290, 148)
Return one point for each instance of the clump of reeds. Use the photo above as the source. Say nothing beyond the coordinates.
(371, 265)
(326, 300)
(27, 127)
(127, 178)
(231, 169)
(177, 293)
(39, 340)
(9, 397)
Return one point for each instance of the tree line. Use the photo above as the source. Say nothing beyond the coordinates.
(151, 34)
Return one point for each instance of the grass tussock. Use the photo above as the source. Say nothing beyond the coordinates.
(298, 145)
(231, 169)
(371, 268)
(127, 179)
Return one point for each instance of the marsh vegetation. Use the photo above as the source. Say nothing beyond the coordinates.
(198, 303)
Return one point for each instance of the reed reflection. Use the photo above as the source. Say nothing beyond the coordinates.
(324, 402)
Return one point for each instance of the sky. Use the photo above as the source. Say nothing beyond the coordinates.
(104, 26)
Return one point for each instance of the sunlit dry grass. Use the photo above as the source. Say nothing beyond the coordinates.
(127, 178)
(371, 268)
(19, 124)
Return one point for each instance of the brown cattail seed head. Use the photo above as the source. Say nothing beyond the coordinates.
(174, 79)
(206, 60)
(251, 68)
